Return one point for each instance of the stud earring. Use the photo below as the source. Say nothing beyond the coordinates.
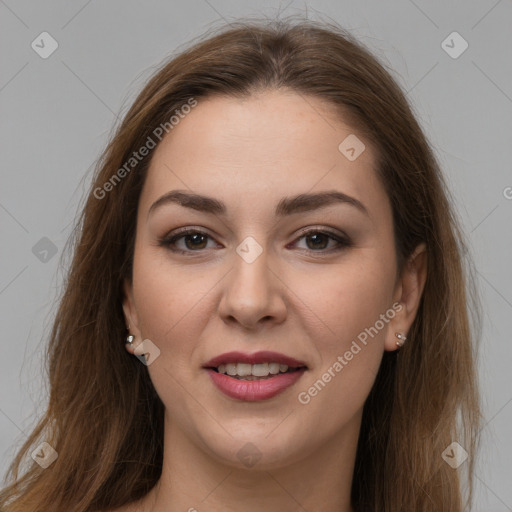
(129, 339)
(401, 339)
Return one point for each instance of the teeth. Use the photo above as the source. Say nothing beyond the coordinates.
(243, 369)
(260, 370)
(273, 368)
(230, 369)
(255, 370)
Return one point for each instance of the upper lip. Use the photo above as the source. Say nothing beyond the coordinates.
(264, 356)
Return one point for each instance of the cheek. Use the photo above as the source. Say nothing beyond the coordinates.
(170, 303)
(354, 304)
(343, 300)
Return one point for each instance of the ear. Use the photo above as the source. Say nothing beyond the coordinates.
(130, 314)
(408, 292)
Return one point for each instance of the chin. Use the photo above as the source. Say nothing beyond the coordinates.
(264, 448)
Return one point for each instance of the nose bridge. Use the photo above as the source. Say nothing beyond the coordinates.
(250, 270)
(252, 292)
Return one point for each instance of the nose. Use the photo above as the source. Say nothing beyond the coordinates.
(254, 294)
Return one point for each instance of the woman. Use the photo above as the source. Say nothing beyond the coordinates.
(268, 304)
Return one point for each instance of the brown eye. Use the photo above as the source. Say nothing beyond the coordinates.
(318, 241)
(193, 241)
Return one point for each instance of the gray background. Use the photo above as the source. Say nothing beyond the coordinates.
(56, 115)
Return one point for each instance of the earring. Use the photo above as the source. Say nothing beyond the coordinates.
(401, 339)
(129, 339)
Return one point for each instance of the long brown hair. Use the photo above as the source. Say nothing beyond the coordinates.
(104, 417)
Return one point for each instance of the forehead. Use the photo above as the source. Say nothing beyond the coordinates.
(256, 150)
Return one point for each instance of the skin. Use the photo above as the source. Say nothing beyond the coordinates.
(249, 154)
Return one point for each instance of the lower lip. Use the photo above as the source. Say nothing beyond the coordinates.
(254, 390)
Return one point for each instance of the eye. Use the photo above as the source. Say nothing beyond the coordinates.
(195, 240)
(320, 240)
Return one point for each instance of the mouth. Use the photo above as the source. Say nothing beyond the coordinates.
(253, 377)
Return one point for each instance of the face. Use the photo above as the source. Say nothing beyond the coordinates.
(311, 281)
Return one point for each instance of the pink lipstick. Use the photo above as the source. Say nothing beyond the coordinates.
(254, 377)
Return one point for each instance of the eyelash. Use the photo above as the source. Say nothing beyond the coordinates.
(343, 242)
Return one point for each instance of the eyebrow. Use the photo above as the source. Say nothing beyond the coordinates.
(286, 206)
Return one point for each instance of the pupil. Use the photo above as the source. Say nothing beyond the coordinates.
(195, 237)
(316, 237)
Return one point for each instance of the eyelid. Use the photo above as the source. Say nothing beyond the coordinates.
(323, 229)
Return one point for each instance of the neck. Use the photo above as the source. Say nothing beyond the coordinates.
(193, 480)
